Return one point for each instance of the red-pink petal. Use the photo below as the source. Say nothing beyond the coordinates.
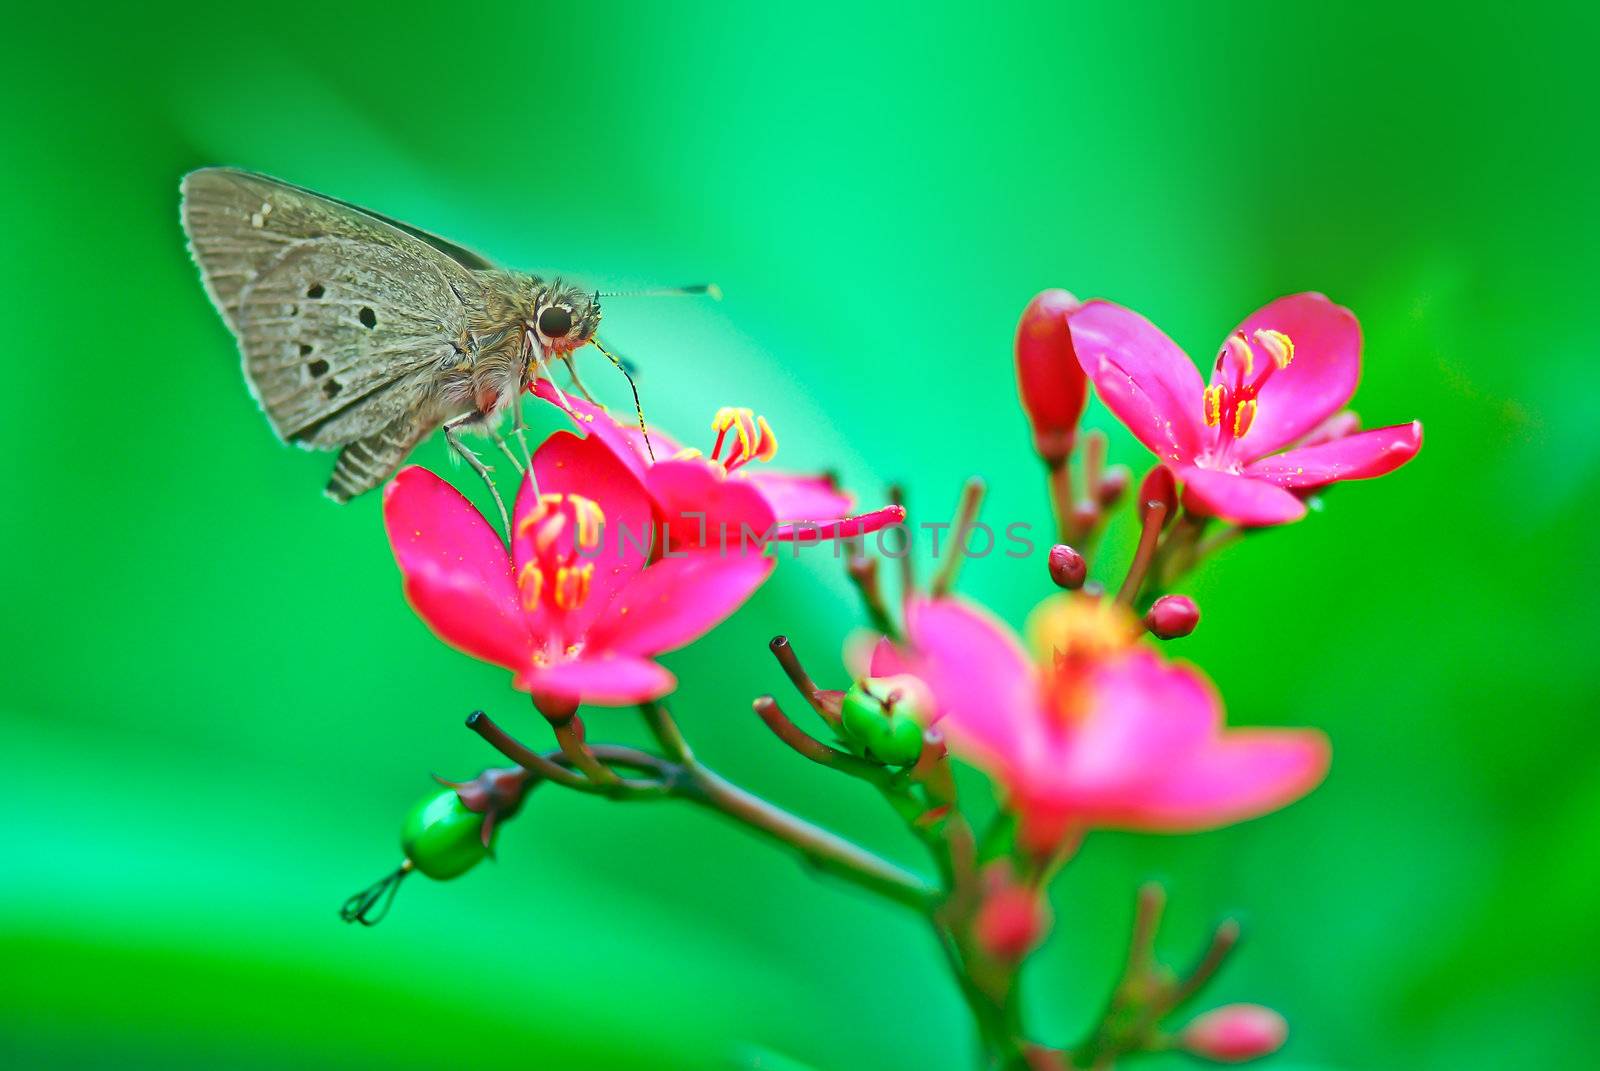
(1242, 774)
(984, 688)
(1355, 457)
(703, 507)
(1146, 716)
(677, 600)
(566, 464)
(797, 497)
(622, 441)
(883, 659)
(1240, 499)
(455, 569)
(1143, 377)
(1320, 379)
(609, 679)
(844, 528)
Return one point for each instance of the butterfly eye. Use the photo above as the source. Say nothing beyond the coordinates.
(555, 322)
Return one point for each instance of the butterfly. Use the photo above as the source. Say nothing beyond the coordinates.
(363, 334)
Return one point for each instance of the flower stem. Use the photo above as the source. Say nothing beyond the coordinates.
(574, 745)
(662, 726)
(908, 568)
(966, 513)
(773, 717)
(826, 851)
(863, 572)
(783, 651)
(556, 766)
(1155, 516)
(1060, 473)
(691, 781)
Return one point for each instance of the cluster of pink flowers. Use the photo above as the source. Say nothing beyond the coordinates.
(1084, 725)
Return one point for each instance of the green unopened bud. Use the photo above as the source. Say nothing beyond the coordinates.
(882, 722)
(443, 838)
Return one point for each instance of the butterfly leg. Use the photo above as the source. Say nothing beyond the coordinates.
(453, 437)
(519, 429)
(543, 370)
(505, 448)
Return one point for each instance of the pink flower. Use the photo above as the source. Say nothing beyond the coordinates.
(1095, 731)
(573, 610)
(1284, 373)
(718, 499)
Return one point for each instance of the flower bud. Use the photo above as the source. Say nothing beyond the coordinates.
(881, 720)
(1172, 616)
(1049, 380)
(444, 838)
(1235, 1033)
(1011, 922)
(1067, 567)
(1113, 485)
(1158, 488)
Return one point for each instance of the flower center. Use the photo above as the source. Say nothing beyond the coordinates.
(552, 536)
(1230, 403)
(1074, 635)
(751, 440)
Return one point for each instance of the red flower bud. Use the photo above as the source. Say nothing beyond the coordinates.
(1011, 922)
(1235, 1033)
(1172, 616)
(1049, 380)
(1158, 488)
(1067, 567)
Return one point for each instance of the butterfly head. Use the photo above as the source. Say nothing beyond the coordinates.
(564, 318)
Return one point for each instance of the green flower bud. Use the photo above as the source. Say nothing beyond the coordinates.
(443, 838)
(881, 721)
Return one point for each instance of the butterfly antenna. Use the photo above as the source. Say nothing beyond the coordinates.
(711, 290)
(637, 408)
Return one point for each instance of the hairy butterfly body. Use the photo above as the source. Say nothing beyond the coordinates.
(362, 334)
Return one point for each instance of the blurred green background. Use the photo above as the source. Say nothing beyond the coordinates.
(217, 706)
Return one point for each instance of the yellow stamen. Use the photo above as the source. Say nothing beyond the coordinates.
(1279, 346)
(530, 583)
(572, 585)
(688, 453)
(1243, 414)
(590, 518)
(536, 515)
(549, 532)
(746, 430)
(1213, 399)
(767, 443)
(1243, 355)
